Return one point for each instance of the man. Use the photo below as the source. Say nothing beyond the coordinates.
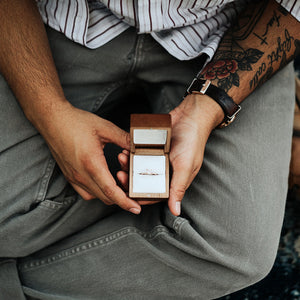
(223, 235)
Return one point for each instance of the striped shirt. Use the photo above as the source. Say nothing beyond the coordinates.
(185, 28)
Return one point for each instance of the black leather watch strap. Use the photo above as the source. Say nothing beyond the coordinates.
(229, 107)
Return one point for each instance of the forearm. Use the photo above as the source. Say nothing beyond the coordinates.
(264, 39)
(26, 61)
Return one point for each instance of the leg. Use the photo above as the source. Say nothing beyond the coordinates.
(35, 198)
(37, 204)
(228, 233)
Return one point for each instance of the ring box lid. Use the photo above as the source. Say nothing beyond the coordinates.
(150, 131)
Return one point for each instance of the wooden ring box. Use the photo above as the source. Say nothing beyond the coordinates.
(150, 136)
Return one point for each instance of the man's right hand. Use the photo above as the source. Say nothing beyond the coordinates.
(76, 139)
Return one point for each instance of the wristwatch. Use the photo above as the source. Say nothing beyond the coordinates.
(230, 108)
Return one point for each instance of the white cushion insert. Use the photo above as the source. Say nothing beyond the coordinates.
(149, 174)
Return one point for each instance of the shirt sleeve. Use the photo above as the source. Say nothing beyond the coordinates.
(292, 6)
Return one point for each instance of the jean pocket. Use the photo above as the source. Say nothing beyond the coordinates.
(44, 224)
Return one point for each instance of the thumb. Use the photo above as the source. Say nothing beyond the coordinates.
(179, 184)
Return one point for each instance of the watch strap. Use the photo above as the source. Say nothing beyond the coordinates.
(229, 107)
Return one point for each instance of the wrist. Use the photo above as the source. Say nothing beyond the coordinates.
(42, 114)
(229, 107)
(208, 111)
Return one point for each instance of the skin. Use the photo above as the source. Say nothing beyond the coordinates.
(267, 47)
(27, 65)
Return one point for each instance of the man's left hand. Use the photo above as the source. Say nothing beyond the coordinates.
(192, 122)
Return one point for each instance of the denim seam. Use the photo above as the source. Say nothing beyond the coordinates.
(105, 94)
(6, 260)
(178, 223)
(136, 55)
(42, 190)
(57, 205)
(86, 246)
(139, 54)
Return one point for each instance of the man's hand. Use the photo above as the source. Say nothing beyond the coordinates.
(192, 123)
(76, 139)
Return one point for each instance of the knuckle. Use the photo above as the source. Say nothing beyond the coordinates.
(127, 138)
(108, 191)
(180, 190)
(75, 177)
(89, 164)
(85, 160)
(195, 171)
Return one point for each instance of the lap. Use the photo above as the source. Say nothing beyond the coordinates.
(234, 206)
(225, 239)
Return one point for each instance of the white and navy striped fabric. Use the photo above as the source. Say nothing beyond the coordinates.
(185, 28)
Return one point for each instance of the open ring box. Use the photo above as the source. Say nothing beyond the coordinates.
(149, 156)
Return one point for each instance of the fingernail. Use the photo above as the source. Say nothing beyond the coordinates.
(135, 210)
(178, 207)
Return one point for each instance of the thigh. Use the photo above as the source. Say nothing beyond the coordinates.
(242, 185)
(36, 200)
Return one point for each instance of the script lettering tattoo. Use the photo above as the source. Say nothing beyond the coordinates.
(275, 19)
(265, 77)
(279, 53)
(282, 47)
(261, 42)
(254, 81)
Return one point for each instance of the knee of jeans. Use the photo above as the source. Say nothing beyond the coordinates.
(243, 259)
(255, 265)
(247, 266)
(251, 260)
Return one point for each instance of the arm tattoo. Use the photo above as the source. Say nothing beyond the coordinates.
(261, 42)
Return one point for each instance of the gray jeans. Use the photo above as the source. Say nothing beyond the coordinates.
(54, 245)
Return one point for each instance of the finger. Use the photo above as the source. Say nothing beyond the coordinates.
(90, 188)
(83, 185)
(123, 179)
(112, 133)
(109, 188)
(126, 152)
(179, 184)
(124, 161)
(83, 193)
